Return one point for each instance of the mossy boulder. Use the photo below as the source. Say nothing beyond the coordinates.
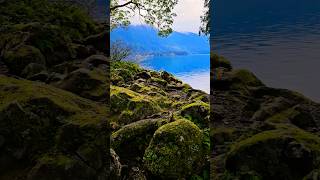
(96, 60)
(124, 100)
(169, 78)
(243, 78)
(91, 84)
(158, 82)
(98, 41)
(52, 40)
(121, 75)
(115, 166)
(19, 58)
(313, 175)
(175, 151)
(38, 120)
(52, 167)
(197, 112)
(123, 72)
(284, 153)
(143, 75)
(270, 108)
(219, 61)
(131, 140)
(221, 135)
(32, 69)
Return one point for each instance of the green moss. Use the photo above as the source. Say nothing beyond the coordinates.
(283, 116)
(221, 135)
(175, 151)
(18, 59)
(130, 66)
(59, 160)
(197, 112)
(72, 19)
(91, 84)
(219, 61)
(244, 77)
(22, 91)
(131, 141)
(123, 99)
(159, 81)
(279, 148)
(35, 120)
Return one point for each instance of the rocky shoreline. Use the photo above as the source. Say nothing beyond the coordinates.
(59, 106)
(53, 93)
(63, 117)
(160, 125)
(258, 132)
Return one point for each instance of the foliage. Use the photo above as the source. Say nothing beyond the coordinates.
(73, 20)
(157, 13)
(205, 19)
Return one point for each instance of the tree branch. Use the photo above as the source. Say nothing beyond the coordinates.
(123, 5)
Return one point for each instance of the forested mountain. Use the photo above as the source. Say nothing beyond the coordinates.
(144, 39)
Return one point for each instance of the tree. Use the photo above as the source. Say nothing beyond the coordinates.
(157, 13)
(119, 51)
(205, 19)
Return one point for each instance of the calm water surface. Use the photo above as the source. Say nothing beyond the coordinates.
(191, 69)
(278, 40)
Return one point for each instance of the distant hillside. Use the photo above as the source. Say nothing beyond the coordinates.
(145, 40)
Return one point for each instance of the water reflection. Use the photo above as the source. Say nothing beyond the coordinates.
(278, 40)
(191, 69)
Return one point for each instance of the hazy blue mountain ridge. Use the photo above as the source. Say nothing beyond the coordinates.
(145, 40)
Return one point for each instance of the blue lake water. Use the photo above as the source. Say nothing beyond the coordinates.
(191, 69)
(278, 40)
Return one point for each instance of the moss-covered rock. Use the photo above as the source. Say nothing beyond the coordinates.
(175, 151)
(219, 61)
(96, 60)
(91, 84)
(123, 99)
(158, 81)
(115, 166)
(99, 41)
(221, 135)
(143, 75)
(285, 153)
(131, 140)
(197, 112)
(62, 167)
(313, 175)
(244, 78)
(32, 69)
(37, 119)
(169, 78)
(18, 59)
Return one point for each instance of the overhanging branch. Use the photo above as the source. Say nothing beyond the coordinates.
(123, 5)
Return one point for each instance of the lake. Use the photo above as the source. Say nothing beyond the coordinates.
(191, 69)
(277, 40)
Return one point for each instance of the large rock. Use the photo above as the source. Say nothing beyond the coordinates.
(130, 105)
(219, 61)
(89, 84)
(32, 69)
(19, 58)
(175, 151)
(197, 112)
(98, 41)
(53, 132)
(96, 60)
(115, 166)
(131, 140)
(285, 153)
